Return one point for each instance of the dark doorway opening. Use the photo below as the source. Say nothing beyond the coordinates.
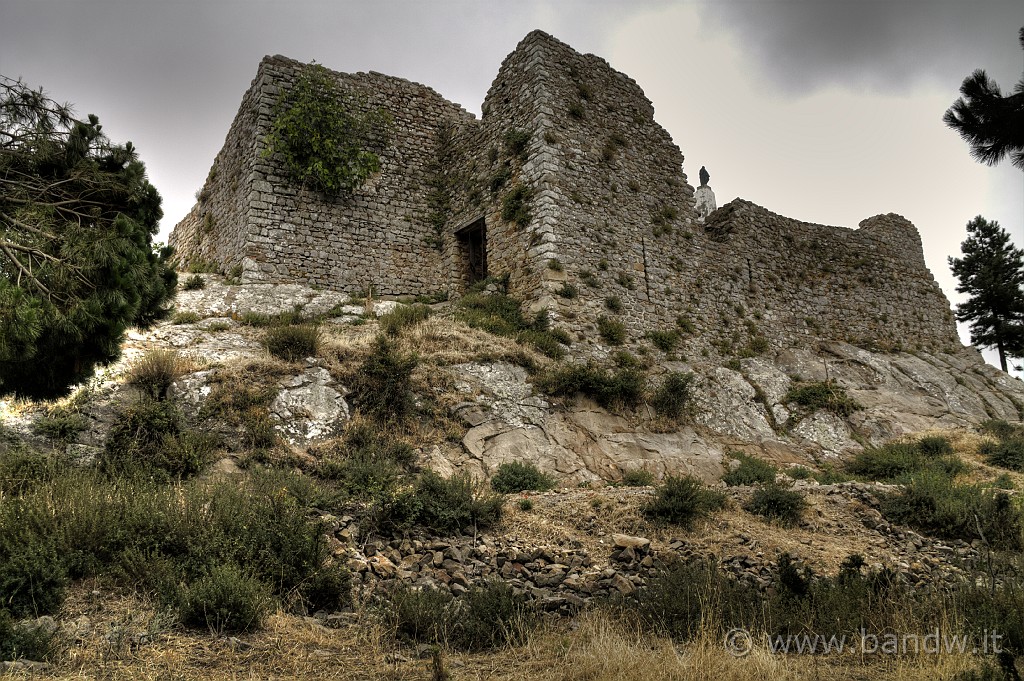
(473, 248)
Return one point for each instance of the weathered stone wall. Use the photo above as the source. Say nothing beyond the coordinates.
(378, 238)
(629, 247)
(610, 228)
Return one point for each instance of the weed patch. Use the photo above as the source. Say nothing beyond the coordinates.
(682, 501)
(516, 476)
(750, 471)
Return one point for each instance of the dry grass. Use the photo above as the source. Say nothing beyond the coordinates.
(596, 646)
(444, 341)
(288, 647)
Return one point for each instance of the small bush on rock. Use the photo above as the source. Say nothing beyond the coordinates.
(382, 386)
(682, 501)
(403, 317)
(775, 502)
(637, 477)
(672, 398)
(826, 395)
(194, 283)
(154, 372)
(750, 471)
(225, 601)
(622, 388)
(611, 330)
(292, 343)
(516, 476)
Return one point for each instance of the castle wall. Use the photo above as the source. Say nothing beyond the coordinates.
(629, 247)
(379, 238)
(611, 229)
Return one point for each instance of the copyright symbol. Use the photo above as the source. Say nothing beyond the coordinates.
(738, 642)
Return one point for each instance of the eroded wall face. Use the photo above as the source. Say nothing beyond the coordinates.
(607, 230)
(625, 237)
(380, 237)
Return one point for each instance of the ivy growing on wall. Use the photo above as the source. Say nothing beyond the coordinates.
(329, 139)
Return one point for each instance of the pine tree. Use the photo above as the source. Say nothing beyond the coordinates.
(992, 124)
(77, 260)
(991, 272)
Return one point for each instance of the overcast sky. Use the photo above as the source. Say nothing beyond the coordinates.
(824, 111)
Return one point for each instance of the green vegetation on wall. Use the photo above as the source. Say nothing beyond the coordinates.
(328, 139)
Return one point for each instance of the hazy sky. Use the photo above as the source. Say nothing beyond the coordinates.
(825, 111)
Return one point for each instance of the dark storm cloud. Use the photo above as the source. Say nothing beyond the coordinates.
(800, 46)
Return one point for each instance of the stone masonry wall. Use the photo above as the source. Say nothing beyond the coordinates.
(627, 246)
(378, 238)
(610, 232)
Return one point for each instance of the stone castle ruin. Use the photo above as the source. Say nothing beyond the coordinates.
(568, 187)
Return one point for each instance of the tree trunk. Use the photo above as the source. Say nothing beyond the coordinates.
(1002, 354)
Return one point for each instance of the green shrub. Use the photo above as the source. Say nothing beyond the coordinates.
(611, 330)
(548, 343)
(61, 425)
(517, 143)
(263, 321)
(33, 570)
(382, 386)
(368, 462)
(225, 601)
(555, 265)
(22, 642)
(637, 477)
(934, 445)
(154, 372)
(416, 615)
(22, 468)
(136, 441)
(624, 387)
(750, 471)
(515, 207)
(1007, 453)
(799, 472)
(898, 461)
(194, 283)
(686, 596)
(327, 138)
(1000, 429)
(156, 537)
(449, 505)
(516, 476)
(328, 589)
(292, 343)
(830, 475)
(490, 616)
(185, 317)
(934, 504)
(502, 315)
(487, 616)
(682, 501)
(526, 504)
(665, 340)
(685, 324)
(567, 290)
(775, 502)
(826, 395)
(402, 317)
(672, 398)
(613, 303)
